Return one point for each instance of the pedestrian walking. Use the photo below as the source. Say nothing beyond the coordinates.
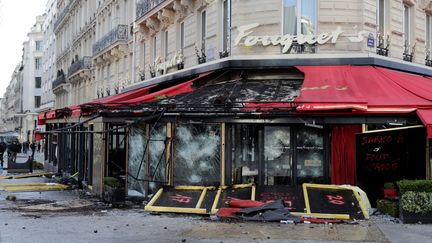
(3, 147)
(13, 149)
(25, 147)
(38, 146)
(33, 148)
(18, 147)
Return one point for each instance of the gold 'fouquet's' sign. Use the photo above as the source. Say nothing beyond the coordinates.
(286, 41)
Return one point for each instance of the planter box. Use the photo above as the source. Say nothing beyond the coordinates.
(414, 218)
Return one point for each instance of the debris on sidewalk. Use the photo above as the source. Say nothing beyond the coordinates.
(37, 187)
(47, 174)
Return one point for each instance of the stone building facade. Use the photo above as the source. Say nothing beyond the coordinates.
(32, 79)
(194, 28)
(74, 29)
(48, 59)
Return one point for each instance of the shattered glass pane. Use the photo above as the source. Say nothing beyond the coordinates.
(197, 154)
(136, 161)
(157, 157)
(310, 155)
(277, 155)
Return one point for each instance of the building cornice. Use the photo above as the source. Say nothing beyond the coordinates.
(284, 61)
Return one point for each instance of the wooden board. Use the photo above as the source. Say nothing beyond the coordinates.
(52, 186)
(292, 196)
(331, 199)
(180, 199)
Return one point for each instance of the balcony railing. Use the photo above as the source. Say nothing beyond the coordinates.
(145, 6)
(119, 33)
(58, 81)
(84, 63)
(62, 15)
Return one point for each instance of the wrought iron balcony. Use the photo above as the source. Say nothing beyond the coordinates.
(84, 63)
(119, 33)
(62, 15)
(145, 6)
(58, 81)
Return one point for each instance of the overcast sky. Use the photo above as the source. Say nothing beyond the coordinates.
(16, 19)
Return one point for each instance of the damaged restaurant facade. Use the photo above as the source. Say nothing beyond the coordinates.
(275, 110)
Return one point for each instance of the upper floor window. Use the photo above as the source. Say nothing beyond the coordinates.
(38, 63)
(38, 82)
(428, 32)
(203, 29)
(154, 48)
(182, 37)
(37, 101)
(39, 46)
(165, 44)
(299, 17)
(381, 16)
(406, 25)
(226, 27)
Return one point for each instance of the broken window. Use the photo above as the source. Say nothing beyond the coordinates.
(197, 154)
(136, 160)
(277, 155)
(157, 149)
(310, 155)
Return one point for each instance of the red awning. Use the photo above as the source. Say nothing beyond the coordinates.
(362, 89)
(426, 117)
(41, 118)
(132, 94)
(51, 114)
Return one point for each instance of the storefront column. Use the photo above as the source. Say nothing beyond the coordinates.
(222, 156)
(169, 161)
(98, 158)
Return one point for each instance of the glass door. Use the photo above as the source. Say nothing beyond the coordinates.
(277, 156)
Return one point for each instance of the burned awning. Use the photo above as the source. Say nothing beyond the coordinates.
(238, 95)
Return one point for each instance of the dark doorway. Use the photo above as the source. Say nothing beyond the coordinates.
(116, 166)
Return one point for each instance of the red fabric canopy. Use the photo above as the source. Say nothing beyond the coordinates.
(131, 94)
(41, 118)
(362, 88)
(51, 114)
(426, 117)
